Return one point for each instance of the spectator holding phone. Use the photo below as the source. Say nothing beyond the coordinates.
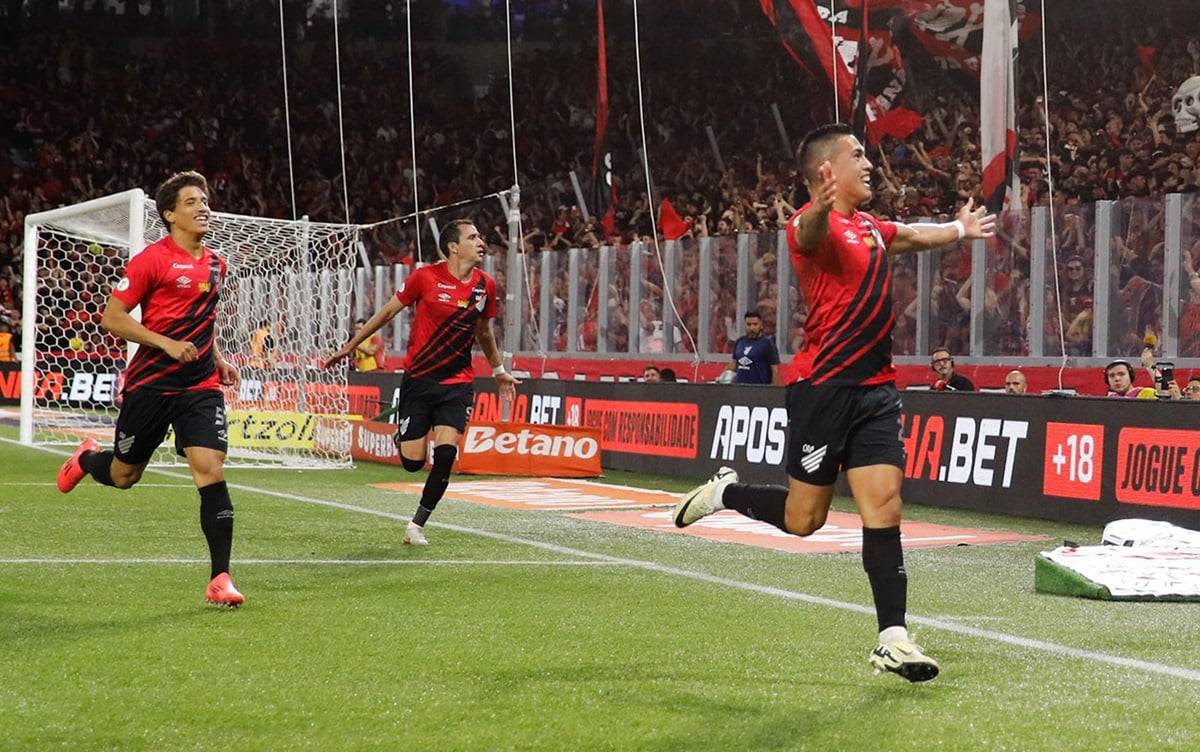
(1192, 390)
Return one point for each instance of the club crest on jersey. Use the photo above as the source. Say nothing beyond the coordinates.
(204, 286)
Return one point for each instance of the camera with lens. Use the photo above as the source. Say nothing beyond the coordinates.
(1164, 375)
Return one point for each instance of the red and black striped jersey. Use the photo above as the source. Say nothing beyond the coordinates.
(846, 283)
(178, 295)
(446, 312)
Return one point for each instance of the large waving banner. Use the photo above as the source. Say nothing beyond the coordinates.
(843, 40)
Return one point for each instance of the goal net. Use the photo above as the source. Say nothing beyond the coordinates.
(285, 306)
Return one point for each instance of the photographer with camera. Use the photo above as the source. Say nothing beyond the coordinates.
(1162, 372)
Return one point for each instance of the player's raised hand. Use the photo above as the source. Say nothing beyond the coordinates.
(977, 222)
(824, 192)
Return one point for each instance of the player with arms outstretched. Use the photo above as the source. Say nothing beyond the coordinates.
(454, 303)
(175, 378)
(843, 407)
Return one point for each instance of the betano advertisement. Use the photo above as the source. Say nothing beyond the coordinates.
(1080, 459)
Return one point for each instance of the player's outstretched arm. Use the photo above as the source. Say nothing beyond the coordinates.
(813, 226)
(377, 322)
(506, 383)
(970, 224)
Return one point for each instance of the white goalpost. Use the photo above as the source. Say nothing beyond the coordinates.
(289, 280)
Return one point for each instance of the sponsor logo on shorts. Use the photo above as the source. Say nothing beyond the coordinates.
(811, 457)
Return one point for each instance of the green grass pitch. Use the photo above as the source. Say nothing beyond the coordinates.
(519, 630)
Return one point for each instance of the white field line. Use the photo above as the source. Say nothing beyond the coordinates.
(1052, 648)
(51, 483)
(329, 562)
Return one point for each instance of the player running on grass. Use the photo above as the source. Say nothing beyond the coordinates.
(175, 378)
(842, 403)
(454, 303)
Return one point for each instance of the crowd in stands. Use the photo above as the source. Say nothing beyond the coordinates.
(93, 102)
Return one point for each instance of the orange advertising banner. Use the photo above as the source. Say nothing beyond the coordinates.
(530, 449)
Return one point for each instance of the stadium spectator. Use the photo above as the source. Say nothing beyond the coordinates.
(262, 347)
(1119, 376)
(1077, 295)
(842, 404)
(437, 392)
(668, 376)
(365, 353)
(1014, 383)
(172, 383)
(7, 347)
(1192, 390)
(942, 363)
(652, 374)
(755, 358)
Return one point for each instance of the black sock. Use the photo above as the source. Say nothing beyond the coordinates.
(98, 465)
(216, 520)
(763, 503)
(435, 484)
(421, 516)
(883, 560)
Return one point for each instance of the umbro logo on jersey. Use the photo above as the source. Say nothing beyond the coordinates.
(811, 457)
(184, 282)
(851, 236)
(443, 297)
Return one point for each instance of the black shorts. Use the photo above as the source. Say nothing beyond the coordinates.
(198, 419)
(425, 404)
(833, 428)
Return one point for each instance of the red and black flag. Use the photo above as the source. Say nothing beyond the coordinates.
(997, 105)
(602, 162)
(851, 43)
